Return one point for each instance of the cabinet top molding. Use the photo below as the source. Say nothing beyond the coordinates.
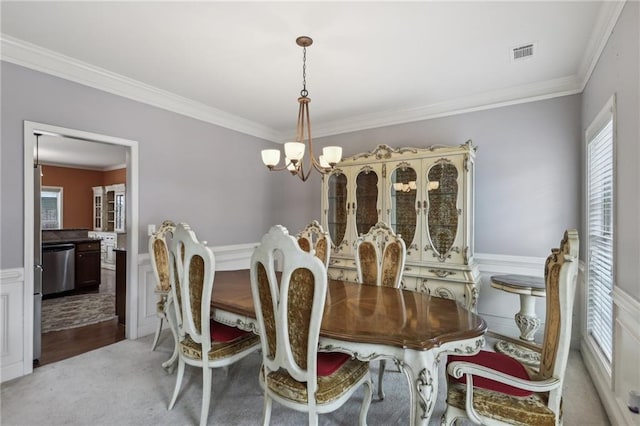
(385, 152)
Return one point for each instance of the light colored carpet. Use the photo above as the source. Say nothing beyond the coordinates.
(76, 311)
(123, 384)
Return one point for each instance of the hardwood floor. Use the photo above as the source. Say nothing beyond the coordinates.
(59, 345)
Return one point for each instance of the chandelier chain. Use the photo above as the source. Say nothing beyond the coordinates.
(304, 91)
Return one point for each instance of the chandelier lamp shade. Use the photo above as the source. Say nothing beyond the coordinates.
(294, 151)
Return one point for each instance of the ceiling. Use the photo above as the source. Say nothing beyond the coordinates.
(68, 152)
(372, 64)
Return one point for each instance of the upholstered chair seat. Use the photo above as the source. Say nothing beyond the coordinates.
(330, 386)
(491, 388)
(498, 400)
(526, 410)
(225, 341)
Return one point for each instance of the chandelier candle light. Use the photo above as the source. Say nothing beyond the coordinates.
(294, 151)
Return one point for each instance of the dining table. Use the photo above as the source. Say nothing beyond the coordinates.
(414, 329)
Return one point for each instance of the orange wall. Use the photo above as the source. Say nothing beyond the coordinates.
(113, 177)
(77, 198)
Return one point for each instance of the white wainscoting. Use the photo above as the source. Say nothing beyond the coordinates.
(11, 330)
(614, 384)
(498, 307)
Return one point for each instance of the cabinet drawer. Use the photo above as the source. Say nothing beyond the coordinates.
(91, 246)
(464, 293)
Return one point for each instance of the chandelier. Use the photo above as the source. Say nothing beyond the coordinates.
(294, 151)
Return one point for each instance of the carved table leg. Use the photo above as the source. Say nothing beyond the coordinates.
(421, 369)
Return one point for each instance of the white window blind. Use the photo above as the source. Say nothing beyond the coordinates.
(600, 209)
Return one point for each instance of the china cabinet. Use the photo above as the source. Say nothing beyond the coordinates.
(115, 207)
(426, 196)
(98, 201)
(109, 208)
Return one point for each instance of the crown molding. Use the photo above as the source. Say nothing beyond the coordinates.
(44, 60)
(29, 55)
(607, 18)
(484, 101)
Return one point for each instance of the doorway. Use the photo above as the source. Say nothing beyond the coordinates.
(87, 140)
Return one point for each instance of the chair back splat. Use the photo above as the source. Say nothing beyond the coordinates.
(493, 389)
(159, 252)
(313, 237)
(380, 256)
(289, 308)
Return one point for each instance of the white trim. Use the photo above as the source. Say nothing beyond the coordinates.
(44, 60)
(229, 258)
(13, 275)
(495, 99)
(29, 128)
(626, 302)
(29, 55)
(609, 13)
(11, 291)
(505, 264)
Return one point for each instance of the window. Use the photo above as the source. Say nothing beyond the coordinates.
(600, 231)
(51, 207)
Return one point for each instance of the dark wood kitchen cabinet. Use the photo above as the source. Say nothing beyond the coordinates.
(87, 265)
(121, 285)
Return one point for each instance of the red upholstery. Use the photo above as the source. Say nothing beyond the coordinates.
(224, 333)
(495, 361)
(329, 362)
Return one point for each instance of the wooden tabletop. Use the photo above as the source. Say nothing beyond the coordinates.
(368, 314)
(520, 284)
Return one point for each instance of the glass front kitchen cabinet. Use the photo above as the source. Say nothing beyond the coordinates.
(423, 194)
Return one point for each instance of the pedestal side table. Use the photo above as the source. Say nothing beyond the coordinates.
(528, 288)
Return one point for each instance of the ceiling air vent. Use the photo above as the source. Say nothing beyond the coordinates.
(522, 52)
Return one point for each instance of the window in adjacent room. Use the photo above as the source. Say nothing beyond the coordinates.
(51, 207)
(600, 138)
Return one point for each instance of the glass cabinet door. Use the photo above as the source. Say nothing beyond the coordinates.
(337, 208)
(402, 209)
(97, 212)
(367, 200)
(119, 212)
(442, 193)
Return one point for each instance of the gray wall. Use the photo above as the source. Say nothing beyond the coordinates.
(618, 72)
(527, 166)
(189, 170)
(527, 169)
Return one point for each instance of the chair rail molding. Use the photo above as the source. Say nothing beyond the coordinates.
(12, 329)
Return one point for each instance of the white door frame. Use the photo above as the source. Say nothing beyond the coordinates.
(30, 128)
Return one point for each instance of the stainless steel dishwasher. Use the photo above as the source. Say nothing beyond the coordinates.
(58, 268)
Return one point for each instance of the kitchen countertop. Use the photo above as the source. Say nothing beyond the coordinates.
(70, 241)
